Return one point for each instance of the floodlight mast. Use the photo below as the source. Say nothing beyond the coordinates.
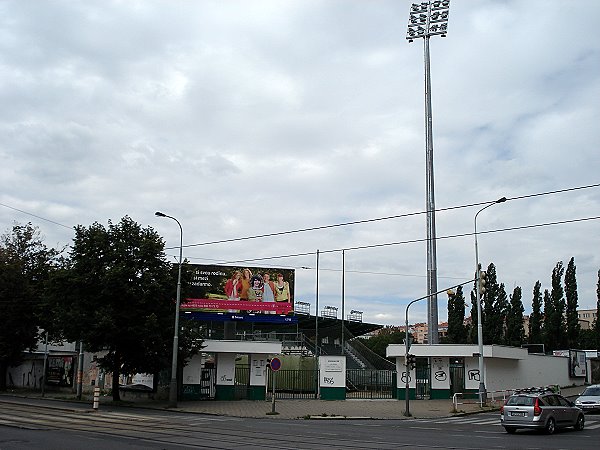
(429, 18)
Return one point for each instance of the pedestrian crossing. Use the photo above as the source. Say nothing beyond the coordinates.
(591, 422)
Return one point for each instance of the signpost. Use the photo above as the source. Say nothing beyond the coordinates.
(275, 365)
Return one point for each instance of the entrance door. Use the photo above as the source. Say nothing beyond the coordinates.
(423, 380)
(457, 375)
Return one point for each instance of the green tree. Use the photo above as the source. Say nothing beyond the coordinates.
(489, 307)
(536, 317)
(494, 308)
(501, 307)
(386, 336)
(514, 320)
(558, 300)
(549, 329)
(25, 263)
(116, 294)
(572, 319)
(457, 332)
(472, 329)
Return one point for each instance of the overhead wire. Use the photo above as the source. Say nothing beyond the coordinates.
(363, 221)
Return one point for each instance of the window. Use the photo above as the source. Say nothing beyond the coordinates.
(520, 400)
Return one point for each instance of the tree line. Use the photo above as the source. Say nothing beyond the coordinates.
(553, 321)
(114, 291)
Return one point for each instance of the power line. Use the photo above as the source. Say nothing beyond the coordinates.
(413, 241)
(35, 215)
(398, 216)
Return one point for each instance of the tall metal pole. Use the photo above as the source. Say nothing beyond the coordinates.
(482, 391)
(343, 295)
(317, 310)
(432, 309)
(173, 383)
(428, 19)
(80, 371)
(317, 332)
(45, 367)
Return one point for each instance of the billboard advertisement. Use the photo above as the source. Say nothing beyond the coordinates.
(59, 370)
(577, 364)
(241, 290)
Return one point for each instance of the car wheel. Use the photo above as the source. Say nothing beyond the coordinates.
(580, 424)
(550, 426)
(510, 430)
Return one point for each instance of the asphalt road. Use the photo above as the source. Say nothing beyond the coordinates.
(26, 424)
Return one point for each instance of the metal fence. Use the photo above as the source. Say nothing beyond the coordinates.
(370, 384)
(293, 383)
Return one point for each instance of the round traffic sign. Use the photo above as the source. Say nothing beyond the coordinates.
(275, 364)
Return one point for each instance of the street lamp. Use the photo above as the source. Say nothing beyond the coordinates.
(429, 18)
(173, 384)
(478, 298)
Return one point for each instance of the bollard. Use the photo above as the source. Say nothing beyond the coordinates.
(96, 398)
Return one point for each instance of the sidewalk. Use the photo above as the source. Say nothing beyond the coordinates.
(305, 408)
(322, 409)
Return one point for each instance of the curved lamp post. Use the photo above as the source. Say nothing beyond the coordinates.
(407, 346)
(482, 393)
(173, 384)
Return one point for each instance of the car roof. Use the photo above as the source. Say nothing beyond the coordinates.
(533, 391)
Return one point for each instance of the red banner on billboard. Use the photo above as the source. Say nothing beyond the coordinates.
(193, 304)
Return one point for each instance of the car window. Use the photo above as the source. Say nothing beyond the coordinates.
(592, 391)
(520, 400)
(564, 402)
(551, 400)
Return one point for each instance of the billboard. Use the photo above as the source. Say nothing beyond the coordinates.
(59, 370)
(240, 290)
(577, 364)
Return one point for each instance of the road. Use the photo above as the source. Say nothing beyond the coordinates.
(26, 424)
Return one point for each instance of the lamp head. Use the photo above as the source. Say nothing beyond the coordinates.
(159, 214)
(501, 200)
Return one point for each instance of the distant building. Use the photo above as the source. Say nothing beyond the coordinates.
(587, 318)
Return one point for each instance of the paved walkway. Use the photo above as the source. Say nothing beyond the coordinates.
(314, 409)
(321, 409)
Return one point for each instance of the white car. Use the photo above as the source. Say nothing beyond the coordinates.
(589, 400)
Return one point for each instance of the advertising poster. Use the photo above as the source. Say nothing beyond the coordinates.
(577, 367)
(242, 290)
(59, 371)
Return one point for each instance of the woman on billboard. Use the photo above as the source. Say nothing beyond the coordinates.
(282, 290)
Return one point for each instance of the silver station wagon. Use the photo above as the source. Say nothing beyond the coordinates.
(540, 409)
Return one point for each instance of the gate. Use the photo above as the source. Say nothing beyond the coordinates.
(242, 383)
(422, 373)
(457, 375)
(370, 383)
(293, 383)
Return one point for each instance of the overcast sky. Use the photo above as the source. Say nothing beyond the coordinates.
(245, 117)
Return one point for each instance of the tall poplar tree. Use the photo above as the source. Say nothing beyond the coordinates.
(501, 309)
(490, 311)
(549, 329)
(514, 320)
(572, 319)
(558, 300)
(457, 333)
(472, 331)
(536, 316)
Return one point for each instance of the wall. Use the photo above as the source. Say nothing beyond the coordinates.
(27, 375)
(533, 371)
